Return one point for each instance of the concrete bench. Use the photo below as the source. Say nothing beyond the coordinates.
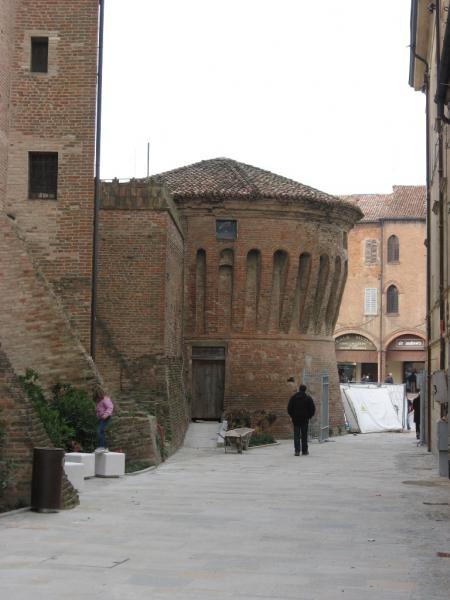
(239, 437)
(109, 464)
(75, 474)
(87, 459)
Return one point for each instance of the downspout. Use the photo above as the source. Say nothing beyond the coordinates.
(381, 368)
(427, 243)
(440, 119)
(97, 179)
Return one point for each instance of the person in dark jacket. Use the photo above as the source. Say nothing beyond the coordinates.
(301, 409)
(416, 409)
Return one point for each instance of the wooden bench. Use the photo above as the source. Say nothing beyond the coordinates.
(239, 437)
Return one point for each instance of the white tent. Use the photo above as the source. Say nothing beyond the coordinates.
(372, 408)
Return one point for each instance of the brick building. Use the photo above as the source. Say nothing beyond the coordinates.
(381, 324)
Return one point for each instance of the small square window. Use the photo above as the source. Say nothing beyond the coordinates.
(43, 175)
(39, 54)
(226, 230)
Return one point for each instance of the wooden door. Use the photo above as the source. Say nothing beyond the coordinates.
(208, 378)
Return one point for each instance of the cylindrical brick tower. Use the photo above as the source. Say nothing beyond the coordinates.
(265, 268)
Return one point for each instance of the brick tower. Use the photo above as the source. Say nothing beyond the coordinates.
(265, 268)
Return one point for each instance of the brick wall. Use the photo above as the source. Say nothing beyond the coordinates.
(257, 371)
(140, 303)
(35, 331)
(55, 112)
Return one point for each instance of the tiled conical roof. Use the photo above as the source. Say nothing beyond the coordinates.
(221, 178)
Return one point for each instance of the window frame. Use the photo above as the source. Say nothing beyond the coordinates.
(47, 190)
(393, 249)
(392, 301)
(221, 236)
(37, 61)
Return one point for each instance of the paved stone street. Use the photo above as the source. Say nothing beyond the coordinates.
(361, 518)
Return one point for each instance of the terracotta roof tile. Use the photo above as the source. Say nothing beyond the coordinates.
(220, 178)
(405, 202)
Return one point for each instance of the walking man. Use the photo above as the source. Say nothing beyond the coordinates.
(301, 409)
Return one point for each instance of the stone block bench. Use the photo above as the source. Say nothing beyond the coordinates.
(86, 459)
(75, 474)
(109, 464)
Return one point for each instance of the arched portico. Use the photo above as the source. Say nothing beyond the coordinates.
(356, 356)
(405, 357)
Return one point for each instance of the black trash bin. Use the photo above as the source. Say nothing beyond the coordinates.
(47, 479)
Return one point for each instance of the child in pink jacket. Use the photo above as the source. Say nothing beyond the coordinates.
(103, 409)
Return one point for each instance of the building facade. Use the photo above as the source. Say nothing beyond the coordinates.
(430, 74)
(381, 325)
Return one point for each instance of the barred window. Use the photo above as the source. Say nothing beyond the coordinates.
(370, 252)
(392, 299)
(393, 249)
(42, 175)
(370, 301)
(39, 54)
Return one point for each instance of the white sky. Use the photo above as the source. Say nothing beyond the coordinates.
(315, 90)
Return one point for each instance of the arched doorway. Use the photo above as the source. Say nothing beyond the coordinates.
(357, 358)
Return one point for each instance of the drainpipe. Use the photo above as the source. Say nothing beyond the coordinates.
(381, 367)
(427, 243)
(101, 5)
(440, 120)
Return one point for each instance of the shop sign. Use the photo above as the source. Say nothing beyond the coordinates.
(353, 342)
(408, 343)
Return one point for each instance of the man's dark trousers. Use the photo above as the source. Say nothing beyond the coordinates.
(301, 431)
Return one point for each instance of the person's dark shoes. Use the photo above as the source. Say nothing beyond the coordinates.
(305, 453)
(297, 454)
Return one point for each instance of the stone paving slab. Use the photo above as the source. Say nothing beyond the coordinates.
(361, 518)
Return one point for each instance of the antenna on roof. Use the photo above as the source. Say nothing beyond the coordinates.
(148, 159)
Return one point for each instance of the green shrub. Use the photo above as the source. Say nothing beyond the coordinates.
(261, 439)
(68, 417)
(76, 409)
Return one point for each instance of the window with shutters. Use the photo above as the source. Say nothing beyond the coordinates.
(42, 175)
(392, 299)
(370, 252)
(39, 54)
(393, 249)
(370, 301)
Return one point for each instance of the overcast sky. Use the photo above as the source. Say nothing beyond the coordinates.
(312, 90)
